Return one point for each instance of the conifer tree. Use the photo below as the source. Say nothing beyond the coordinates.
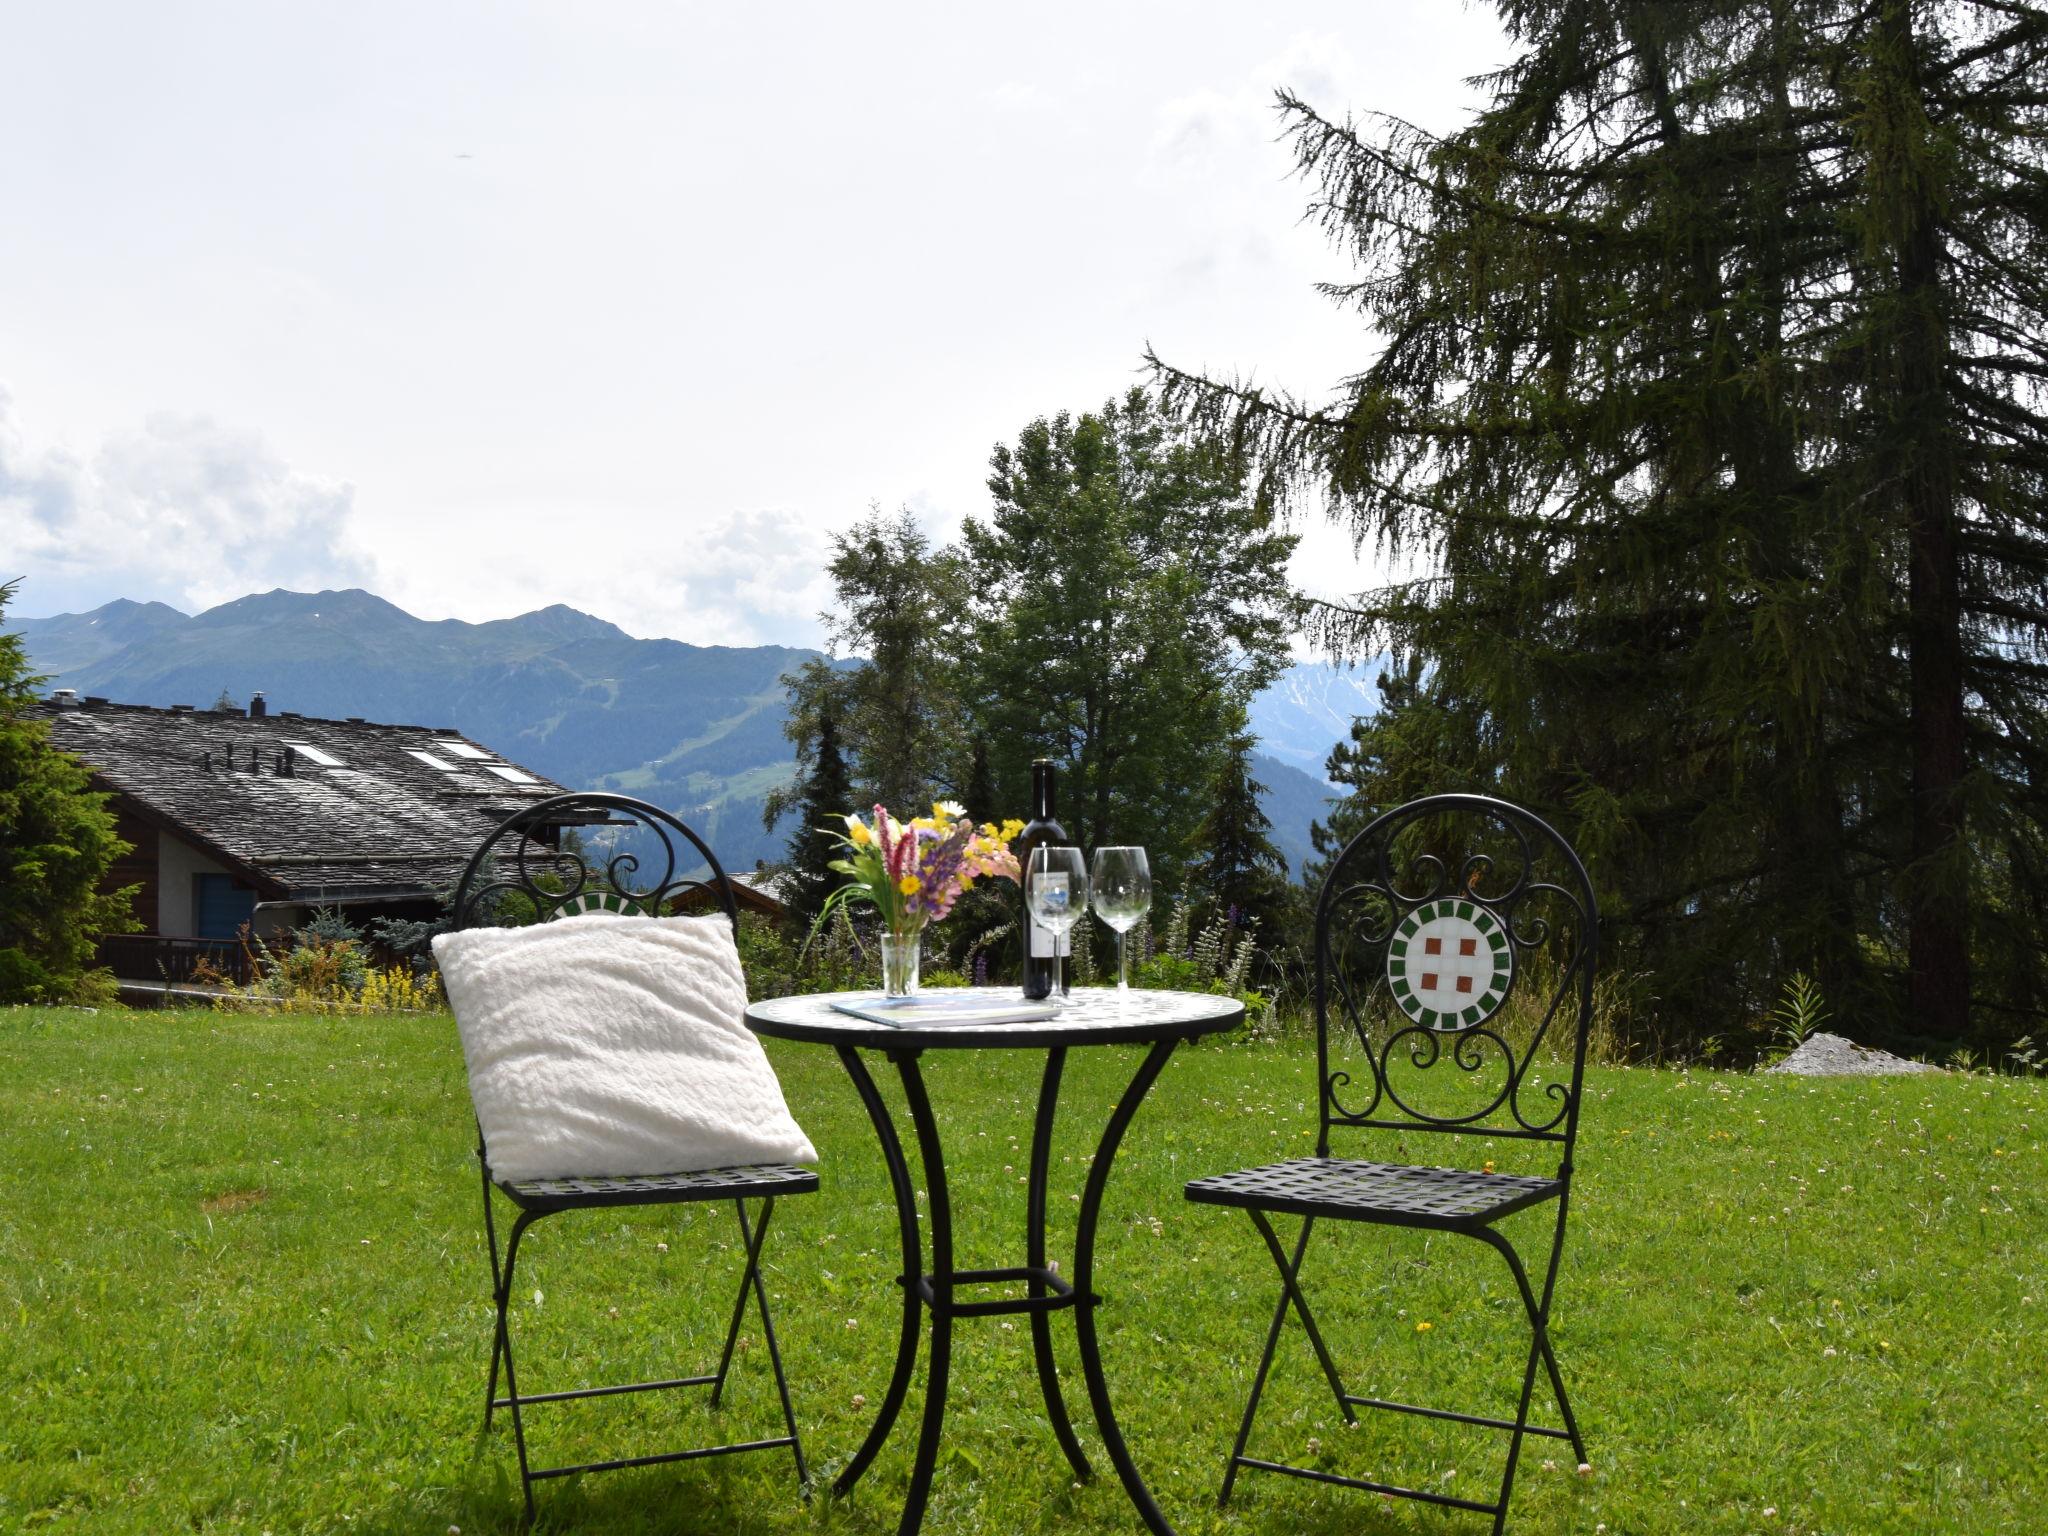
(1709, 407)
(1239, 870)
(898, 712)
(824, 796)
(57, 842)
(978, 795)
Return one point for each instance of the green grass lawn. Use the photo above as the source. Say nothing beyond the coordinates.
(243, 1289)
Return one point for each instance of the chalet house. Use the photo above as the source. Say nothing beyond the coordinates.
(247, 817)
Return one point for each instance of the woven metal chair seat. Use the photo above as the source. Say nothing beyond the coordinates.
(1394, 1193)
(663, 1188)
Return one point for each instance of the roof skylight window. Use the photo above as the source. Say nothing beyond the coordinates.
(510, 775)
(434, 762)
(313, 754)
(464, 749)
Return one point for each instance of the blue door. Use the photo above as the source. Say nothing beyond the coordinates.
(220, 905)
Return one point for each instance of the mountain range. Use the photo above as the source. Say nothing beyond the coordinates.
(696, 728)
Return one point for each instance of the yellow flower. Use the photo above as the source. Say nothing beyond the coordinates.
(1011, 828)
(910, 885)
(857, 831)
(1424, 1327)
(966, 881)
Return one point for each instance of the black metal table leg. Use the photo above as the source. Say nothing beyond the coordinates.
(1034, 1241)
(933, 1158)
(1048, 1291)
(1084, 1285)
(913, 1266)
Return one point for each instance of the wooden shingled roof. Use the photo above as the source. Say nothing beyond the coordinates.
(374, 822)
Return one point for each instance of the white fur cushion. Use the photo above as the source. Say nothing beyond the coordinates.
(606, 1045)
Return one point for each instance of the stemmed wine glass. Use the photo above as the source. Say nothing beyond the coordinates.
(1121, 888)
(1056, 890)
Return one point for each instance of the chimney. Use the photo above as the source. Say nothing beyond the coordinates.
(65, 698)
(94, 701)
(257, 708)
(181, 709)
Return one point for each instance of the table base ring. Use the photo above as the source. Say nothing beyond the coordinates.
(1063, 1294)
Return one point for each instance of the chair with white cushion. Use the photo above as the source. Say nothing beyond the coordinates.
(610, 1065)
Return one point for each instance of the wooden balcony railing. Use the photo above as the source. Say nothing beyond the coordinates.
(146, 957)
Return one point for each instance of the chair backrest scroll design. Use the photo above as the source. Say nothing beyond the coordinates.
(1452, 933)
(524, 860)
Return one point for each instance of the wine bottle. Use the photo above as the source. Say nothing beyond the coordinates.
(1043, 965)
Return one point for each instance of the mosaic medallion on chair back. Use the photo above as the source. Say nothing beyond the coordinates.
(1454, 971)
(600, 901)
(1450, 964)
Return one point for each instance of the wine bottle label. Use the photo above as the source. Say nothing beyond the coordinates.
(1045, 944)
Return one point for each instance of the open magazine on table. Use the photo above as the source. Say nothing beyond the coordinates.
(930, 1010)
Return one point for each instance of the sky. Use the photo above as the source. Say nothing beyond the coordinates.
(630, 306)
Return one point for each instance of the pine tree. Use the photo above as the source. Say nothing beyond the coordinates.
(1240, 872)
(1408, 748)
(978, 795)
(1709, 408)
(825, 795)
(56, 844)
(896, 599)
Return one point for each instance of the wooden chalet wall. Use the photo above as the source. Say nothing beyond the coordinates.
(138, 866)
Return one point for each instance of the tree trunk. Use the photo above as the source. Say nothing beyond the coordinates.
(1938, 942)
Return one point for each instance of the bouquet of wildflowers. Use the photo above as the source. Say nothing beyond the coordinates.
(914, 871)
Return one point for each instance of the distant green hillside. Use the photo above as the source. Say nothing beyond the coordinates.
(694, 728)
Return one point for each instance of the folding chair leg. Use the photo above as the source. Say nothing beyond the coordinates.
(1290, 1294)
(526, 1219)
(497, 1297)
(1290, 1284)
(1539, 1313)
(754, 1241)
(1539, 1349)
(752, 1248)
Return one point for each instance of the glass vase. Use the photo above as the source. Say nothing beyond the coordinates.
(900, 957)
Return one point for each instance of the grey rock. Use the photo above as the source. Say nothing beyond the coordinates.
(1825, 1055)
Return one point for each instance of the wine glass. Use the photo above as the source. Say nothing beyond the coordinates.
(1056, 890)
(1120, 885)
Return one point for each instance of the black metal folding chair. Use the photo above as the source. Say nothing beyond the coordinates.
(529, 869)
(1452, 932)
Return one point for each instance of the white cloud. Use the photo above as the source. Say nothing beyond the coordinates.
(185, 511)
(750, 578)
(740, 578)
(1026, 98)
(1191, 131)
(547, 372)
(190, 512)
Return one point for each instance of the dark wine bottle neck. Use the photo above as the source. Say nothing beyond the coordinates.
(1041, 792)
